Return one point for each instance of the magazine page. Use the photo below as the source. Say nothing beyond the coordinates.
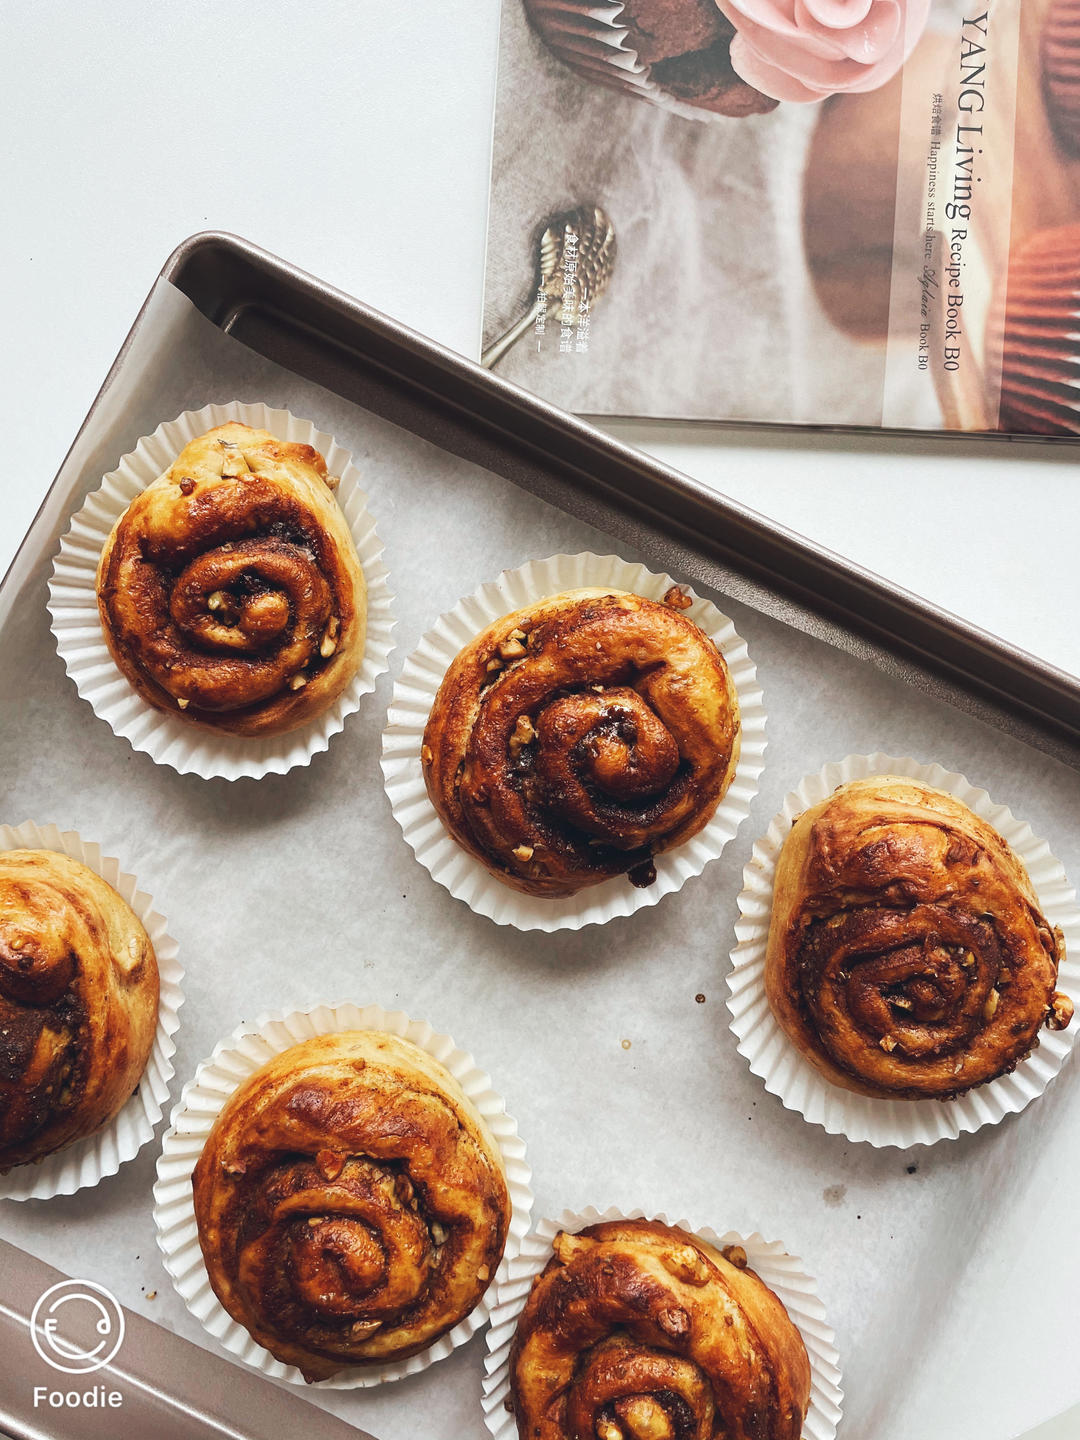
(826, 212)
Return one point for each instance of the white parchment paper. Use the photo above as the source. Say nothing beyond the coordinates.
(299, 888)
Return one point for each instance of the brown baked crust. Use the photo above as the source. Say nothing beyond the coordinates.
(78, 1004)
(230, 590)
(660, 29)
(907, 954)
(635, 1328)
(574, 739)
(352, 1206)
(705, 78)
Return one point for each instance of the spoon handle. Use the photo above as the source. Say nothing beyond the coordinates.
(495, 351)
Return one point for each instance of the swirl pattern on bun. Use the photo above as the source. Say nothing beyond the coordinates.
(230, 590)
(637, 1330)
(78, 1004)
(351, 1204)
(907, 954)
(576, 738)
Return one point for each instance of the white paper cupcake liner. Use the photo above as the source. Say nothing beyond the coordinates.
(246, 1050)
(76, 623)
(798, 1084)
(414, 695)
(85, 1162)
(783, 1273)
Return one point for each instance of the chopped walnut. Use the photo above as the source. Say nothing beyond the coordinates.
(990, 1008)
(524, 853)
(687, 1264)
(297, 682)
(483, 1272)
(222, 606)
(1060, 1012)
(426, 754)
(187, 485)
(677, 598)
(735, 1255)
(330, 1164)
(512, 649)
(888, 1043)
(523, 735)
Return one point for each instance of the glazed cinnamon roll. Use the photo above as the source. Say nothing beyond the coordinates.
(575, 739)
(351, 1204)
(230, 590)
(78, 1004)
(907, 955)
(639, 1331)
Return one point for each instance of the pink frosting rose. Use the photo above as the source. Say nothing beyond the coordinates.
(808, 49)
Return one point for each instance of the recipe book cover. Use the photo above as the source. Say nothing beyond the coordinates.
(828, 212)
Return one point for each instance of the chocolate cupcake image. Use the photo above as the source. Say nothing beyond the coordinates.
(705, 78)
(663, 29)
(1060, 54)
(732, 57)
(1037, 325)
(660, 50)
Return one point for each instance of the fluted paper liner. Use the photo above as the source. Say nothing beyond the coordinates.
(76, 623)
(85, 1162)
(414, 694)
(236, 1058)
(792, 1078)
(783, 1273)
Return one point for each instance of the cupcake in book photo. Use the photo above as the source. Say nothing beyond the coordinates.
(732, 58)
(1060, 61)
(1034, 325)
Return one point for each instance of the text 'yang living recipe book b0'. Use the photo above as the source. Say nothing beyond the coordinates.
(824, 212)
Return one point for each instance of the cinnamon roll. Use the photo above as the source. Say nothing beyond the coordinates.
(907, 954)
(637, 1330)
(576, 738)
(78, 1004)
(351, 1205)
(230, 590)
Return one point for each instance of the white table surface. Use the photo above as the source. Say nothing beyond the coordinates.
(352, 137)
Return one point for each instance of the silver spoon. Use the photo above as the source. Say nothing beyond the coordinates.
(595, 238)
